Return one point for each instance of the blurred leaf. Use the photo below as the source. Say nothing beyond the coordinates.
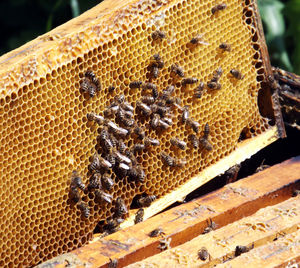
(271, 13)
(75, 8)
(292, 12)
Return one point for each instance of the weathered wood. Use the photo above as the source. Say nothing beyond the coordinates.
(283, 252)
(183, 223)
(253, 231)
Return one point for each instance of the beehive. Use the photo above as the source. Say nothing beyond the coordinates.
(45, 134)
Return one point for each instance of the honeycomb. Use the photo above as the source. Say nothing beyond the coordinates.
(45, 134)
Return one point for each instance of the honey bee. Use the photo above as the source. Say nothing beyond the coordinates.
(194, 140)
(113, 225)
(193, 124)
(119, 99)
(148, 85)
(107, 182)
(167, 92)
(111, 89)
(113, 263)
(198, 91)
(135, 84)
(203, 254)
(161, 110)
(145, 109)
(115, 130)
(138, 147)
(218, 8)
(121, 170)
(88, 87)
(217, 75)
(136, 174)
(111, 111)
(242, 249)
(157, 232)
(175, 68)
(139, 216)
(90, 75)
(127, 107)
(139, 132)
(121, 146)
(94, 182)
(121, 158)
(210, 227)
(76, 180)
(85, 211)
(167, 120)
(198, 40)
(158, 62)
(101, 196)
(145, 201)
(189, 81)
(225, 47)
(185, 114)
(171, 161)
(158, 35)
(214, 85)
(105, 141)
(154, 71)
(206, 131)
(74, 194)
(120, 209)
(178, 143)
(165, 243)
(206, 144)
(98, 162)
(125, 119)
(148, 100)
(237, 74)
(95, 117)
(151, 142)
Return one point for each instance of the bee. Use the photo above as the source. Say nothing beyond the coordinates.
(119, 99)
(121, 170)
(105, 142)
(145, 201)
(167, 120)
(85, 211)
(101, 196)
(198, 91)
(148, 100)
(193, 124)
(206, 131)
(189, 81)
(210, 227)
(90, 75)
(237, 74)
(138, 147)
(107, 182)
(217, 75)
(218, 8)
(225, 47)
(94, 182)
(115, 130)
(198, 40)
(149, 141)
(171, 161)
(165, 243)
(148, 85)
(113, 225)
(125, 119)
(194, 140)
(111, 89)
(120, 209)
(113, 263)
(185, 114)
(127, 107)
(74, 194)
(203, 254)
(88, 87)
(242, 249)
(175, 68)
(76, 180)
(111, 111)
(121, 146)
(136, 174)
(135, 84)
(167, 92)
(145, 109)
(139, 132)
(261, 167)
(98, 162)
(139, 216)
(95, 117)
(214, 85)
(206, 144)
(157, 232)
(161, 110)
(158, 62)
(154, 71)
(178, 143)
(158, 35)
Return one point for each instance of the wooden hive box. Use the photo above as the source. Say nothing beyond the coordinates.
(45, 133)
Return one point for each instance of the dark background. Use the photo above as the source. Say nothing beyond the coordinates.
(24, 20)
